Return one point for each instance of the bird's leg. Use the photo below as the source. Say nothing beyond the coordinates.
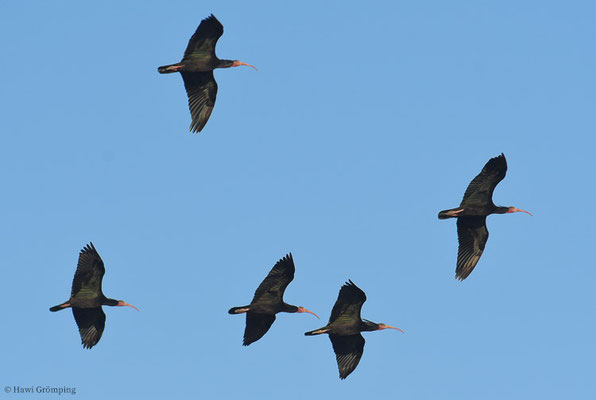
(174, 67)
(455, 213)
(319, 331)
(239, 310)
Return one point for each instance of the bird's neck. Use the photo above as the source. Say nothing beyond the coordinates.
(110, 302)
(501, 210)
(289, 308)
(369, 325)
(225, 63)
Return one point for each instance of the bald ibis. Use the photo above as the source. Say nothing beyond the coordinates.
(344, 327)
(86, 297)
(471, 215)
(197, 67)
(268, 301)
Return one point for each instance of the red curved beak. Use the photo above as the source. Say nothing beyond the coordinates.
(237, 63)
(123, 303)
(383, 326)
(518, 210)
(302, 309)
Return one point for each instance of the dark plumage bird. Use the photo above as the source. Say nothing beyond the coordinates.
(197, 67)
(268, 301)
(86, 297)
(344, 327)
(471, 215)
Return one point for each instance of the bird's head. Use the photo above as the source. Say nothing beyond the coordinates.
(513, 209)
(385, 326)
(237, 63)
(122, 303)
(302, 309)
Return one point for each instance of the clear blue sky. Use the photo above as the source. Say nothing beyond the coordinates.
(362, 122)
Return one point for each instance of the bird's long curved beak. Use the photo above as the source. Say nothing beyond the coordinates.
(302, 309)
(237, 63)
(518, 210)
(123, 303)
(392, 327)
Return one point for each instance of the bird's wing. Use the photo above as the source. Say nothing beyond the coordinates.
(91, 322)
(257, 325)
(349, 303)
(205, 37)
(274, 285)
(348, 352)
(89, 273)
(480, 190)
(472, 236)
(201, 89)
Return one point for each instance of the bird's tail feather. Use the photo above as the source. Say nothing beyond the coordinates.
(238, 310)
(167, 69)
(60, 307)
(451, 213)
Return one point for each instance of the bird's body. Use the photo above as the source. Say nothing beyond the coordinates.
(87, 298)
(268, 301)
(197, 67)
(471, 215)
(345, 327)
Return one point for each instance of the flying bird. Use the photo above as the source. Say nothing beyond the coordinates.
(268, 301)
(86, 297)
(197, 67)
(344, 327)
(471, 215)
